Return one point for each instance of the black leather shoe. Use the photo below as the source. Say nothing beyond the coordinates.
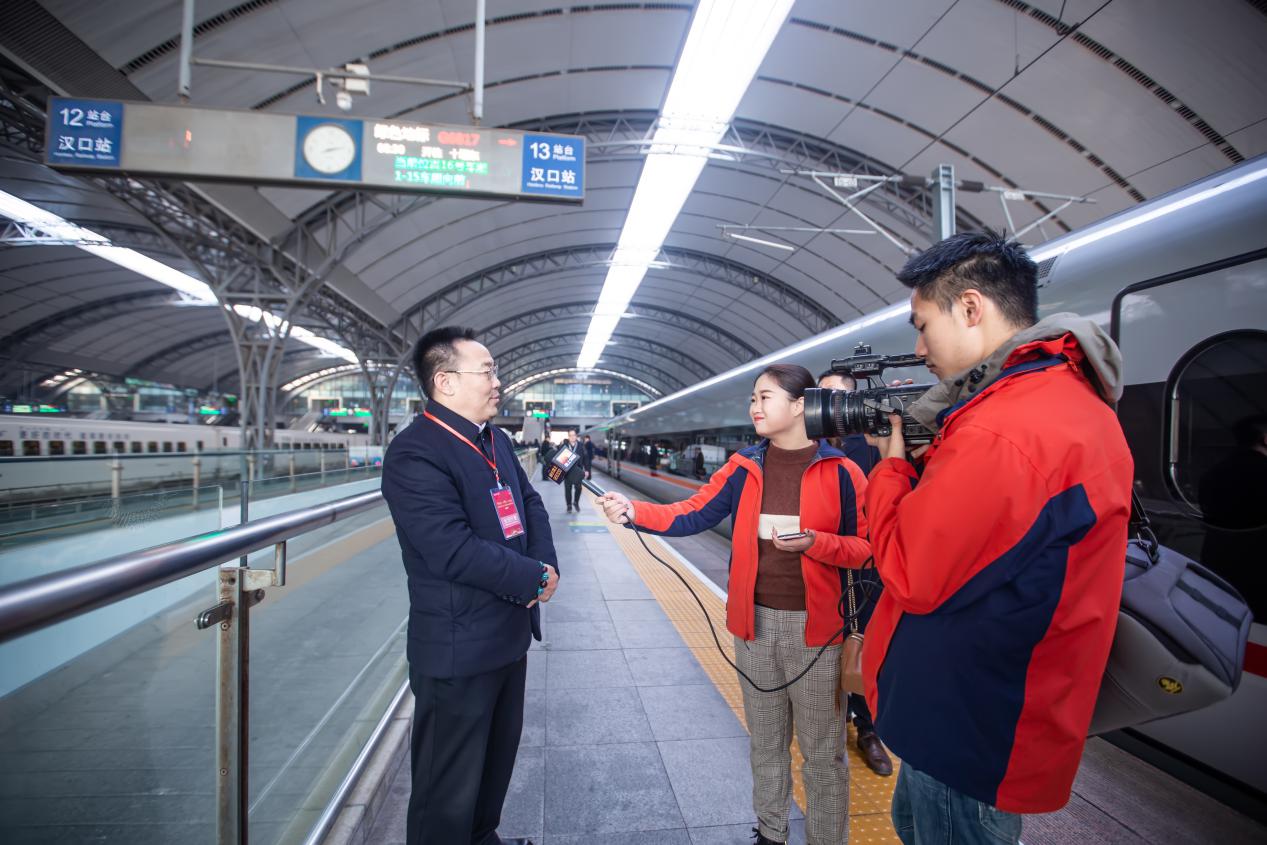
(874, 754)
(761, 840)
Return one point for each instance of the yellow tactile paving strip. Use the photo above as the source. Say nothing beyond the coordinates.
(869, 794)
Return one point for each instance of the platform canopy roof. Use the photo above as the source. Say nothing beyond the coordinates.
(1116, 101)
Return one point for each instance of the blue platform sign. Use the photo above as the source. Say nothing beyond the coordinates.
(554, 166)
(85, 132)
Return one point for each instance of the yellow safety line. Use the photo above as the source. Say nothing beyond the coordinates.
(869, 794)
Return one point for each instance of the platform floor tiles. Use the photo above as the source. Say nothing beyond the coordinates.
(634, 730)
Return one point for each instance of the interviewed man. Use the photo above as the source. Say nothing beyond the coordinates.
(1003, 561)
(479, 556)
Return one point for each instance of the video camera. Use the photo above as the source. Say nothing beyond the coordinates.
(840, 413)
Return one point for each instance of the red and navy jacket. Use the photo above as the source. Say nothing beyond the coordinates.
(831, 504)
(1002, 567)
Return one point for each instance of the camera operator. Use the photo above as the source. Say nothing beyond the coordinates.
(1003, 562)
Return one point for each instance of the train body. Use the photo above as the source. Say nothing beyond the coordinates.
(50, 458)
(1181, 284)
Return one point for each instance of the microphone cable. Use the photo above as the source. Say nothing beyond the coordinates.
(868, 590)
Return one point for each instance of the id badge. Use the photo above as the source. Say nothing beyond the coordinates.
(507, 513)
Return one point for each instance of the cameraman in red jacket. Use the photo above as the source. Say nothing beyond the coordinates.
(1003, 561)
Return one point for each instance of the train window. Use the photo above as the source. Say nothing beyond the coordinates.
(224, 441)
(100, 447)
(30, 448)
(167, 445)
(79, 447)
(1215, 391)
(1217, 452)
(199, 445)
(118, 445)
(6, 448)
(136, 447)
(57, 447)
(152, 446)
(180, 446)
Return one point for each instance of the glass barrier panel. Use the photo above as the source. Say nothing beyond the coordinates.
(327, 657)
(46, 537)
(107, 724)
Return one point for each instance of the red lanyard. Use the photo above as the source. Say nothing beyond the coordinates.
(464, 439)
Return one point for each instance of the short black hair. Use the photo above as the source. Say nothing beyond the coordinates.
(999, 268)
(436, 350)
(849, 379)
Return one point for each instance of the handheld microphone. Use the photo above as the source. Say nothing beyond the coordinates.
(562, 461)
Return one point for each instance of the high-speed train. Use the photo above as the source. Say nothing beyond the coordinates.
(1181, 284)
(44, 458)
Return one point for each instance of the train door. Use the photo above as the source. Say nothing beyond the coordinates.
(1195, 414)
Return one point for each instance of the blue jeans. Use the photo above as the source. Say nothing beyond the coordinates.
(927, 812)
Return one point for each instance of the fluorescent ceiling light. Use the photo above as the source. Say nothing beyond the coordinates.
(726, 44)
(21, 211)
(751, 239)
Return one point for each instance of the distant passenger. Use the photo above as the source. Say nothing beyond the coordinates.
(1234, 503)
(784, 596)
(580, 470)
(1002, 563)
(866, 587)
(588, 446)
(479, 556)
(543, 455)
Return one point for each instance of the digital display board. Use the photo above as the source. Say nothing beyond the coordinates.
(313, 151)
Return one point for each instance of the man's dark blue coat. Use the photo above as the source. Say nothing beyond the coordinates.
(468, 585)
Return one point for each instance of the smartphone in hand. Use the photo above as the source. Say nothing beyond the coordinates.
(795, 535)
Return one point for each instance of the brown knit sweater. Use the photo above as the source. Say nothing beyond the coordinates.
(779, 581)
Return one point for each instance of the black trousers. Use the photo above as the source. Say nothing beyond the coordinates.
(572, 493)
(465, 738)
(861, 714)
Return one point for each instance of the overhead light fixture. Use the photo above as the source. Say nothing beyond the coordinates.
(64, 231)
(726, 44)
(751, 239)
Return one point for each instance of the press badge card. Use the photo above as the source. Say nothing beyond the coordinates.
(507, 513)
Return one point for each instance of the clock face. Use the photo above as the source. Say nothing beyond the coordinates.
(329, 148)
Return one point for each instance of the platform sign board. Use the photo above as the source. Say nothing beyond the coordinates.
(314, 151)
(87, 133)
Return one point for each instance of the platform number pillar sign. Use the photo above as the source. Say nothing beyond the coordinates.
(943, 188)
(197, 478)
(116, 480)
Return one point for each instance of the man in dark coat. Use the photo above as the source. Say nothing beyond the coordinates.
(479, 556)
(580, 470)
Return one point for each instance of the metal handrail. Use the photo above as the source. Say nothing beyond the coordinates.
(48, 599)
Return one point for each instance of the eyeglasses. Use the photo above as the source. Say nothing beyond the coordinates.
(490, 373)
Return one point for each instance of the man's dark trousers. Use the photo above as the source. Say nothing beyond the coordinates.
(572, 492)
(465, 738)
